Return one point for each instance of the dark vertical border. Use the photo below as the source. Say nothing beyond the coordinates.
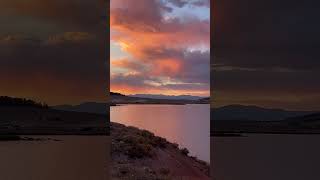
(107, 50)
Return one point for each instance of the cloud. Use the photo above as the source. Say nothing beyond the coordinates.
(205, 3)
(69, 65)
(70, 37)
(186, 68)
(80, 14)
(184, 65)
(133, 83)
(182, 3)
(266, 53)
(179, 3)
(162, 45)
(54, 51)
(267, 33)
(145, 27)
(132, 66)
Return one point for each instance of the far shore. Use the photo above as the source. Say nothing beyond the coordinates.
(23, 138)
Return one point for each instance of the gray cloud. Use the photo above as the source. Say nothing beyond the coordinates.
(181, 3)
(266, 49)
(54, 51)
(194, 75)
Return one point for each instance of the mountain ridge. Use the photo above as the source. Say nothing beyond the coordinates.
(162, 96)
(118, 99)
(253, 113)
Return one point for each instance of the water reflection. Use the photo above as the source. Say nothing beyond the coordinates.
(72, 158)
(266, 157)
(188, 125)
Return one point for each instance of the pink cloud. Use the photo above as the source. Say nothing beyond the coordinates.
(152, 40)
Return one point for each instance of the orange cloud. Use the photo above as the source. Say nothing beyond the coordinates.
(157, 47)
(127, 89)
(126, 64)
(168, 67)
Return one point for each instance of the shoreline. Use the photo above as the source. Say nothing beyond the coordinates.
(241, 133)
(151, 103)
(139, 153)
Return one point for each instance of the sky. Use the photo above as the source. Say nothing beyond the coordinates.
(266, 53)
(160, 47)
(53, 51)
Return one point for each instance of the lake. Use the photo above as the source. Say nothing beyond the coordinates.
(187, 125)
(266, 157)
(72, 158)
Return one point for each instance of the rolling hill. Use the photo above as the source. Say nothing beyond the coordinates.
(117, 98)
(252, 119)
(253, 113)
(20, 116)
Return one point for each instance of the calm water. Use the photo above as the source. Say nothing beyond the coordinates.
(187, 125)
(73, 158)
(266, 157)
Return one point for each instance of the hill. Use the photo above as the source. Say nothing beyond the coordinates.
(25, 117)
(90, 107)
(253, 113)
(139, 154)
(117, 98)
(12, 101)
(252, 119)
(161, 96)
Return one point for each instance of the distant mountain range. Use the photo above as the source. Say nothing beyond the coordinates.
(235, 119)
(253, 113)
(161, 96)
(117, 98)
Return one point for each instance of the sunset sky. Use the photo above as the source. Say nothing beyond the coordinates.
(266, 53)
(160, 47)
(53, 51)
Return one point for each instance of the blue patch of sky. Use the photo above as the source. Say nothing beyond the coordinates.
(202, 13)
(116, 52)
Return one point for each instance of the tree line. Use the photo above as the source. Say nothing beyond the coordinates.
(10, 101)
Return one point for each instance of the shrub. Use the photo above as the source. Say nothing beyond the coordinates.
(10, 101)
(139, 151)
(164, 171)
(159, 142)
(175, 145)
(184, 151)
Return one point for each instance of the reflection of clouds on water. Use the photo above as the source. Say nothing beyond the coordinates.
(73, 158)
(187, 125)
(266, 157)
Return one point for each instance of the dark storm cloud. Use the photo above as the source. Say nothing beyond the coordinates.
(71, 61)
(267, 33)
(266, 81)
(54, 51)
(196, 69)
(74, 56)
(80, 14)
(266, 47)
